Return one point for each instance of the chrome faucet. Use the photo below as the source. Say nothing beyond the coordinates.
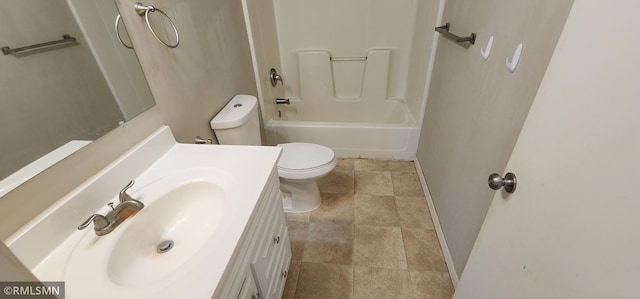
(123, 193)
(104, 224)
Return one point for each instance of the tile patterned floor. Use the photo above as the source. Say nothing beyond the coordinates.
(372, 237)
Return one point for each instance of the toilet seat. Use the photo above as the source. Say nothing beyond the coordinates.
(301, 161)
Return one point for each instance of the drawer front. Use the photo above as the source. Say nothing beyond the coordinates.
(261, 260)
(249, 289)
(274, 241)
(245, 251)
(283, 261)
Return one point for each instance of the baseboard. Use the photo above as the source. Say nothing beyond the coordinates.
(436, 223)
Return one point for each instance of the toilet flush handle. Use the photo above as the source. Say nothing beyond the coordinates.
(200, 140)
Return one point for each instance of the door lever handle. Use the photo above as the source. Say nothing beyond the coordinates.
(509, 182)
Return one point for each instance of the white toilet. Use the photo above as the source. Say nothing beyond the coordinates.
(300, 164)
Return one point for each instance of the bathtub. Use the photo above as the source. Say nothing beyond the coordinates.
(384, 130)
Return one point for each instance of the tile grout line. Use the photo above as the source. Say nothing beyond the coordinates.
(412, 291)
(353, 247)
(395, 203)
(295, 288)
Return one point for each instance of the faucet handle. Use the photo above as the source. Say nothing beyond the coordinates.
(123, 193)
(99, 222)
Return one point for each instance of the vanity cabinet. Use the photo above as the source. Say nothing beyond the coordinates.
(259, 266)
(248, 288)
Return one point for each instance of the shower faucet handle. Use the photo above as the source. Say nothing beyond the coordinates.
(282, 101)
(274, 77)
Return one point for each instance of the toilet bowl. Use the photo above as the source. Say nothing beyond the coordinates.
(300, 165)
(299, 168)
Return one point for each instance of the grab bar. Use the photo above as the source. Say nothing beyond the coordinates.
(65, 39)
(348, 58)
(444, 30)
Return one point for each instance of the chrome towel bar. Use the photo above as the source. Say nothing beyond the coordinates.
(65, 39)
(444, 30)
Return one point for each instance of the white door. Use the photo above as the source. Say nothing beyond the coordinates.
(572, 227)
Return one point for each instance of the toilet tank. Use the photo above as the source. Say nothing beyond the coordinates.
(238, 122)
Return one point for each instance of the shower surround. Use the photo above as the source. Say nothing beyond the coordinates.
(355, 72)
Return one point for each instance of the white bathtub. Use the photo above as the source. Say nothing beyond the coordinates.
(383, 130)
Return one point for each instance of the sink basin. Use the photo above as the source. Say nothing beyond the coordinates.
(200, 202)
(183, 213)
(179, 222)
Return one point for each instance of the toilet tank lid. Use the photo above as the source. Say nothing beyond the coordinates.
(236, 113)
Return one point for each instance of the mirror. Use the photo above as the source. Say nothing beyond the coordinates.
(58, 98)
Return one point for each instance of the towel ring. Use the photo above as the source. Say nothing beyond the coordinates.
(118, 33)
(143, 10)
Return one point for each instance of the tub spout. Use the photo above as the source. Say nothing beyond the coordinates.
(282, 101)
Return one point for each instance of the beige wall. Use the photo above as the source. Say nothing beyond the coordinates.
(190, 84)
(48, 97)
(476, 108)
(11, 269)
(421, 47)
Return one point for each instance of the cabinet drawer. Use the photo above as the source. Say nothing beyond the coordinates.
(273, 263)
(249, 289)
(245, 252)
(267, 233)
(268, 263)
(283, 261)
(263, 254)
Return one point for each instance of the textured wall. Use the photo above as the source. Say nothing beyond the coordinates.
(192, 82)
(476, 108)
(12, 268)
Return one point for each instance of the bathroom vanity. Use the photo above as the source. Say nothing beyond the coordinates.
(260, 265)
(212, 226)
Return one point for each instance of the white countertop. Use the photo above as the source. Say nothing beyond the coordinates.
(248, 169)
